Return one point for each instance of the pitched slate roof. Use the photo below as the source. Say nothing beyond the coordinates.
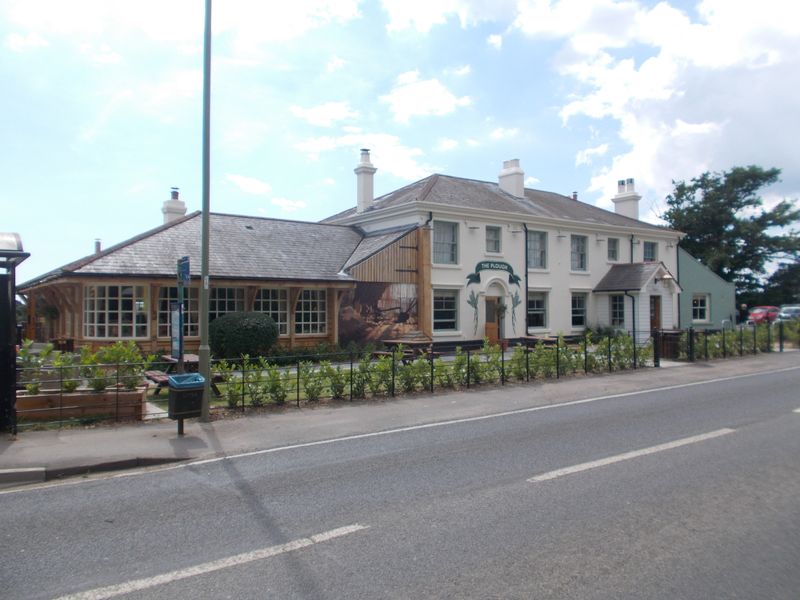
(470, 193)
(628, 277)
(240, 248)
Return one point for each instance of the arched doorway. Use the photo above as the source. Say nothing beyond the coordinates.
(495, 312)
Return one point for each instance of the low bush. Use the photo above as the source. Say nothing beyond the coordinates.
(242, 333)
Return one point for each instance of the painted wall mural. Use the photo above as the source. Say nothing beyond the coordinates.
(378, 311)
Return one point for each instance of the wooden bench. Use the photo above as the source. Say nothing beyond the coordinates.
(160, 378)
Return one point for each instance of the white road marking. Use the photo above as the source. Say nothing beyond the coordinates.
(209, 567)
(361, 436)
(628, 455)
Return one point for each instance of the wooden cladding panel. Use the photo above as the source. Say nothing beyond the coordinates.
(396, 263)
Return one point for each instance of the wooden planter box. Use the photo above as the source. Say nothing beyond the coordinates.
(54, 406)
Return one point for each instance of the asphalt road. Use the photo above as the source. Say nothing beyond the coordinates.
(688, 492)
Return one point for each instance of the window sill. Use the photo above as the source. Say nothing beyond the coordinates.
(445, 266)
(539, 271)
(581, 273)
(447, 333)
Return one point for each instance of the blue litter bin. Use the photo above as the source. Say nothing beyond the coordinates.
(185, 395)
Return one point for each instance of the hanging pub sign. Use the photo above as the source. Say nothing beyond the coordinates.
(491, 265)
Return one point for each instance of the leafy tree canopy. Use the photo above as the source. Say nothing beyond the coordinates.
(727, 226)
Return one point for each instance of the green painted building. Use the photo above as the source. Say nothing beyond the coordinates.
(707, 301)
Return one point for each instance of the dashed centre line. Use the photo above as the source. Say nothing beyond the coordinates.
(209, 567)
(629, 455)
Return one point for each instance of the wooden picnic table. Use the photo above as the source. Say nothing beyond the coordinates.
(191, 363)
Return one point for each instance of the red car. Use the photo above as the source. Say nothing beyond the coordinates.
(760, 314)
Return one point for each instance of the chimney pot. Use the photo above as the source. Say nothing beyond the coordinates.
(365, 185)
(626, 202)
(174, 208)
(512, 178)
(574, 195)
(97, 246)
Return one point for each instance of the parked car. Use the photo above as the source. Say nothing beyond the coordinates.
(790, 312)
(763, 314)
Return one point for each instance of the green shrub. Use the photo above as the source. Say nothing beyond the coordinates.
(443, 374)
(313, 381)
(68, 372)
(337, 379)
(278, 383)
(32, 364)
(125, 363)
(236, 334)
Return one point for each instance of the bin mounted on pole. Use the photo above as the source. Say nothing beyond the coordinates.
(11, 255)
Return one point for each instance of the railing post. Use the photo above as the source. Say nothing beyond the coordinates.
(469, 370)
(780, 334)
(608, 339)
(690, 345)
(558, 357)
(705, 343)
(769, 337)
(585, 353)
(351, 377)
(430, 357)
(243, 366)
(527, 362)
(502, 365)
(741, 340)
(394, 368)
(635, 358)
(298, 383)
(656, 348)
(724, 352)
(116, 396)
(755, 339)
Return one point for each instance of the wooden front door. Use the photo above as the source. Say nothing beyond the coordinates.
(492, 320)
(655, 313)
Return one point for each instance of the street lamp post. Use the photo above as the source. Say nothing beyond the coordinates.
(204, 351)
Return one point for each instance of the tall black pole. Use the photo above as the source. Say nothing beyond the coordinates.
(204, 352)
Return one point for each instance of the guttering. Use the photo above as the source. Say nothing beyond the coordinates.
(525, 229)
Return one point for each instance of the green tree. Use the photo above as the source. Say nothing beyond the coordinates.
(783, 286)
(727, 227)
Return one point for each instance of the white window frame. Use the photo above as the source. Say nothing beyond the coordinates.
(494, 245)
(654, 247)
(613, 256)
(537, 295)
(191, 311)
(106, 311)
(311, 313)
(705, 308)
(581, 311)
(275, 303)
(445, 243)
(616, 314)
(450, 296)
(224, 300)
(578, 253)
(537, 249)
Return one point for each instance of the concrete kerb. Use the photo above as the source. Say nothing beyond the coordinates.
(80, 452)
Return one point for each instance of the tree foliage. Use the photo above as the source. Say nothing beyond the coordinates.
(727, 226)
(236, 334)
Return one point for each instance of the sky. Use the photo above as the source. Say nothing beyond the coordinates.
(101, 104)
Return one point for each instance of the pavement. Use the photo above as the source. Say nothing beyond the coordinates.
(37, 456)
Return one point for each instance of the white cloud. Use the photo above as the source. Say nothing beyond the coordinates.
(472, 143)
(412, 97)
(16, 42)
(503, 133)
(334, 64)
(446, 144)
(422, 15)
(462, 70)
(101, 55)
(329, 181)
(584, 157)
(531, 181)
(495, 40)
(387, 152)
(288, 205)
(326, 114)
(250, 185)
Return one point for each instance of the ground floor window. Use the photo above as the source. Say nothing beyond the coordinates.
(311, 312)
(224, 300)
(537, 309)
(445, 310)
(579, 310)
(617, 307)
(700, 308)
(115, 311)
(274, 302)
(191, 311)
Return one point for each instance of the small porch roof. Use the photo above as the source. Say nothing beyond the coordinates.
(633, 277)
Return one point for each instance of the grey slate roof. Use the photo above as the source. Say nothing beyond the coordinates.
(240, 248)
(628, 277)
(469, 193)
